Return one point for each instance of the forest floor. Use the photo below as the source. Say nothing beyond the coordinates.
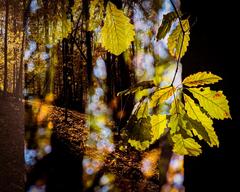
(124, 164)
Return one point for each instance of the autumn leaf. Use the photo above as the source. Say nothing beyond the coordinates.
(201, 78)
(176, 121)
(117, 32)
(141, 146)
(198, 129)
(58, 29)
(165, 27)
(186, 146)
(178, 39)
(214, 102)
(159, 123)
(142, 111)
(195, 113)
(161, 95)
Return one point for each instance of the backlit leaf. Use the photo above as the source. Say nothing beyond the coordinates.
(143, 110)
(214, 102)
(176, 121)
(207, 131)
(186, 146)
(159, 123)
(117, 32)
(138, 144)
(201, 78)
(161, 95)
(178, 40)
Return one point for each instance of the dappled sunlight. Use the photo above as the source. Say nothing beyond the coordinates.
(175, 175)
(40, 116)
(150, 162)
(100, 140)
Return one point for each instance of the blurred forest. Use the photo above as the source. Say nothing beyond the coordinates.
(89, 90)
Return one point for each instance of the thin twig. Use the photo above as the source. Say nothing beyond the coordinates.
(178, 16)
(179, 56)
(178, 60)
(79, 48)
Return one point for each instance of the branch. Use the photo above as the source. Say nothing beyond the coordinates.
(81, 52)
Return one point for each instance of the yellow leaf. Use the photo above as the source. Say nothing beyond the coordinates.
(177, 112)
(59, 29)
(195, 113)
(161, 95)
(173, 123)
(201, 78)
(178, 41)
(214, 102)
(140, 94)
(185, 146)
(138, 144)
(117, 32)
(143, 110)
(159, 123)
(177, 107)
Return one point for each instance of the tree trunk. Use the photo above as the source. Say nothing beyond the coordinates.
(88, 44)
(65, 74)
(6, 49)
(19, 85)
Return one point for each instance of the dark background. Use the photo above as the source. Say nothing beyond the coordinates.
(214, 47)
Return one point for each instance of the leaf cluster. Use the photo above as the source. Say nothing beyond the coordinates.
(192, 110)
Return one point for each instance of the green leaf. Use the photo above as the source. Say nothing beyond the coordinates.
(176, 120)
(117, 32)
(214, 102)
(165, 27)
(178, 40)
(195, 113)
(201, 78)
(186, 146)
(175, 123)
(198, 129)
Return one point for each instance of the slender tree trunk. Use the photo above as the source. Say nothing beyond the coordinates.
(15, 53)
(19, 85)
(48, 82)
(88, 44)
(65, 74)
(6, 49)
(14, 74)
